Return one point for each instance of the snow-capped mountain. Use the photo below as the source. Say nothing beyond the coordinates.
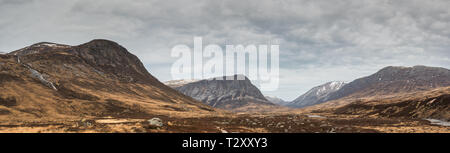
(313, 96)
(276, 100)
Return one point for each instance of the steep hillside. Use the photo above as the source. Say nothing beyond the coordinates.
(433, 104)
(98, 78)
(394, 80)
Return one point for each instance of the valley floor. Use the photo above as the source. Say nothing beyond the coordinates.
(242, 123)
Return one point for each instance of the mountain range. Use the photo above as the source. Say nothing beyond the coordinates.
(98, 78)
(101, 78)
(101, 86)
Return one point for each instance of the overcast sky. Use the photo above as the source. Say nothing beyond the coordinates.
(320, 40)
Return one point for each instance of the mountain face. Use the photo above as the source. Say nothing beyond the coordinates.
(276, 100)
(316, 94)
(97, 78)
(227, 94)
(432, 104)
(394, 80)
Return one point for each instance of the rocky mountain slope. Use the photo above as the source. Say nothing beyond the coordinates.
(410, 92)
(98, 78)
(226, 94)
(316, 95)
(276, 100)
(394, 80)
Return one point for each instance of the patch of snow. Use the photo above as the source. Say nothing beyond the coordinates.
(336, 85)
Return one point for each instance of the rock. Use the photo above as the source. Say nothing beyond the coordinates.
(86, 122)
(155, 122)
(222, 130)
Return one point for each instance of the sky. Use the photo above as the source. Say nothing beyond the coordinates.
(320, 40)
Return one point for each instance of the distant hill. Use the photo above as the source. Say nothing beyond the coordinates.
(276, 100)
